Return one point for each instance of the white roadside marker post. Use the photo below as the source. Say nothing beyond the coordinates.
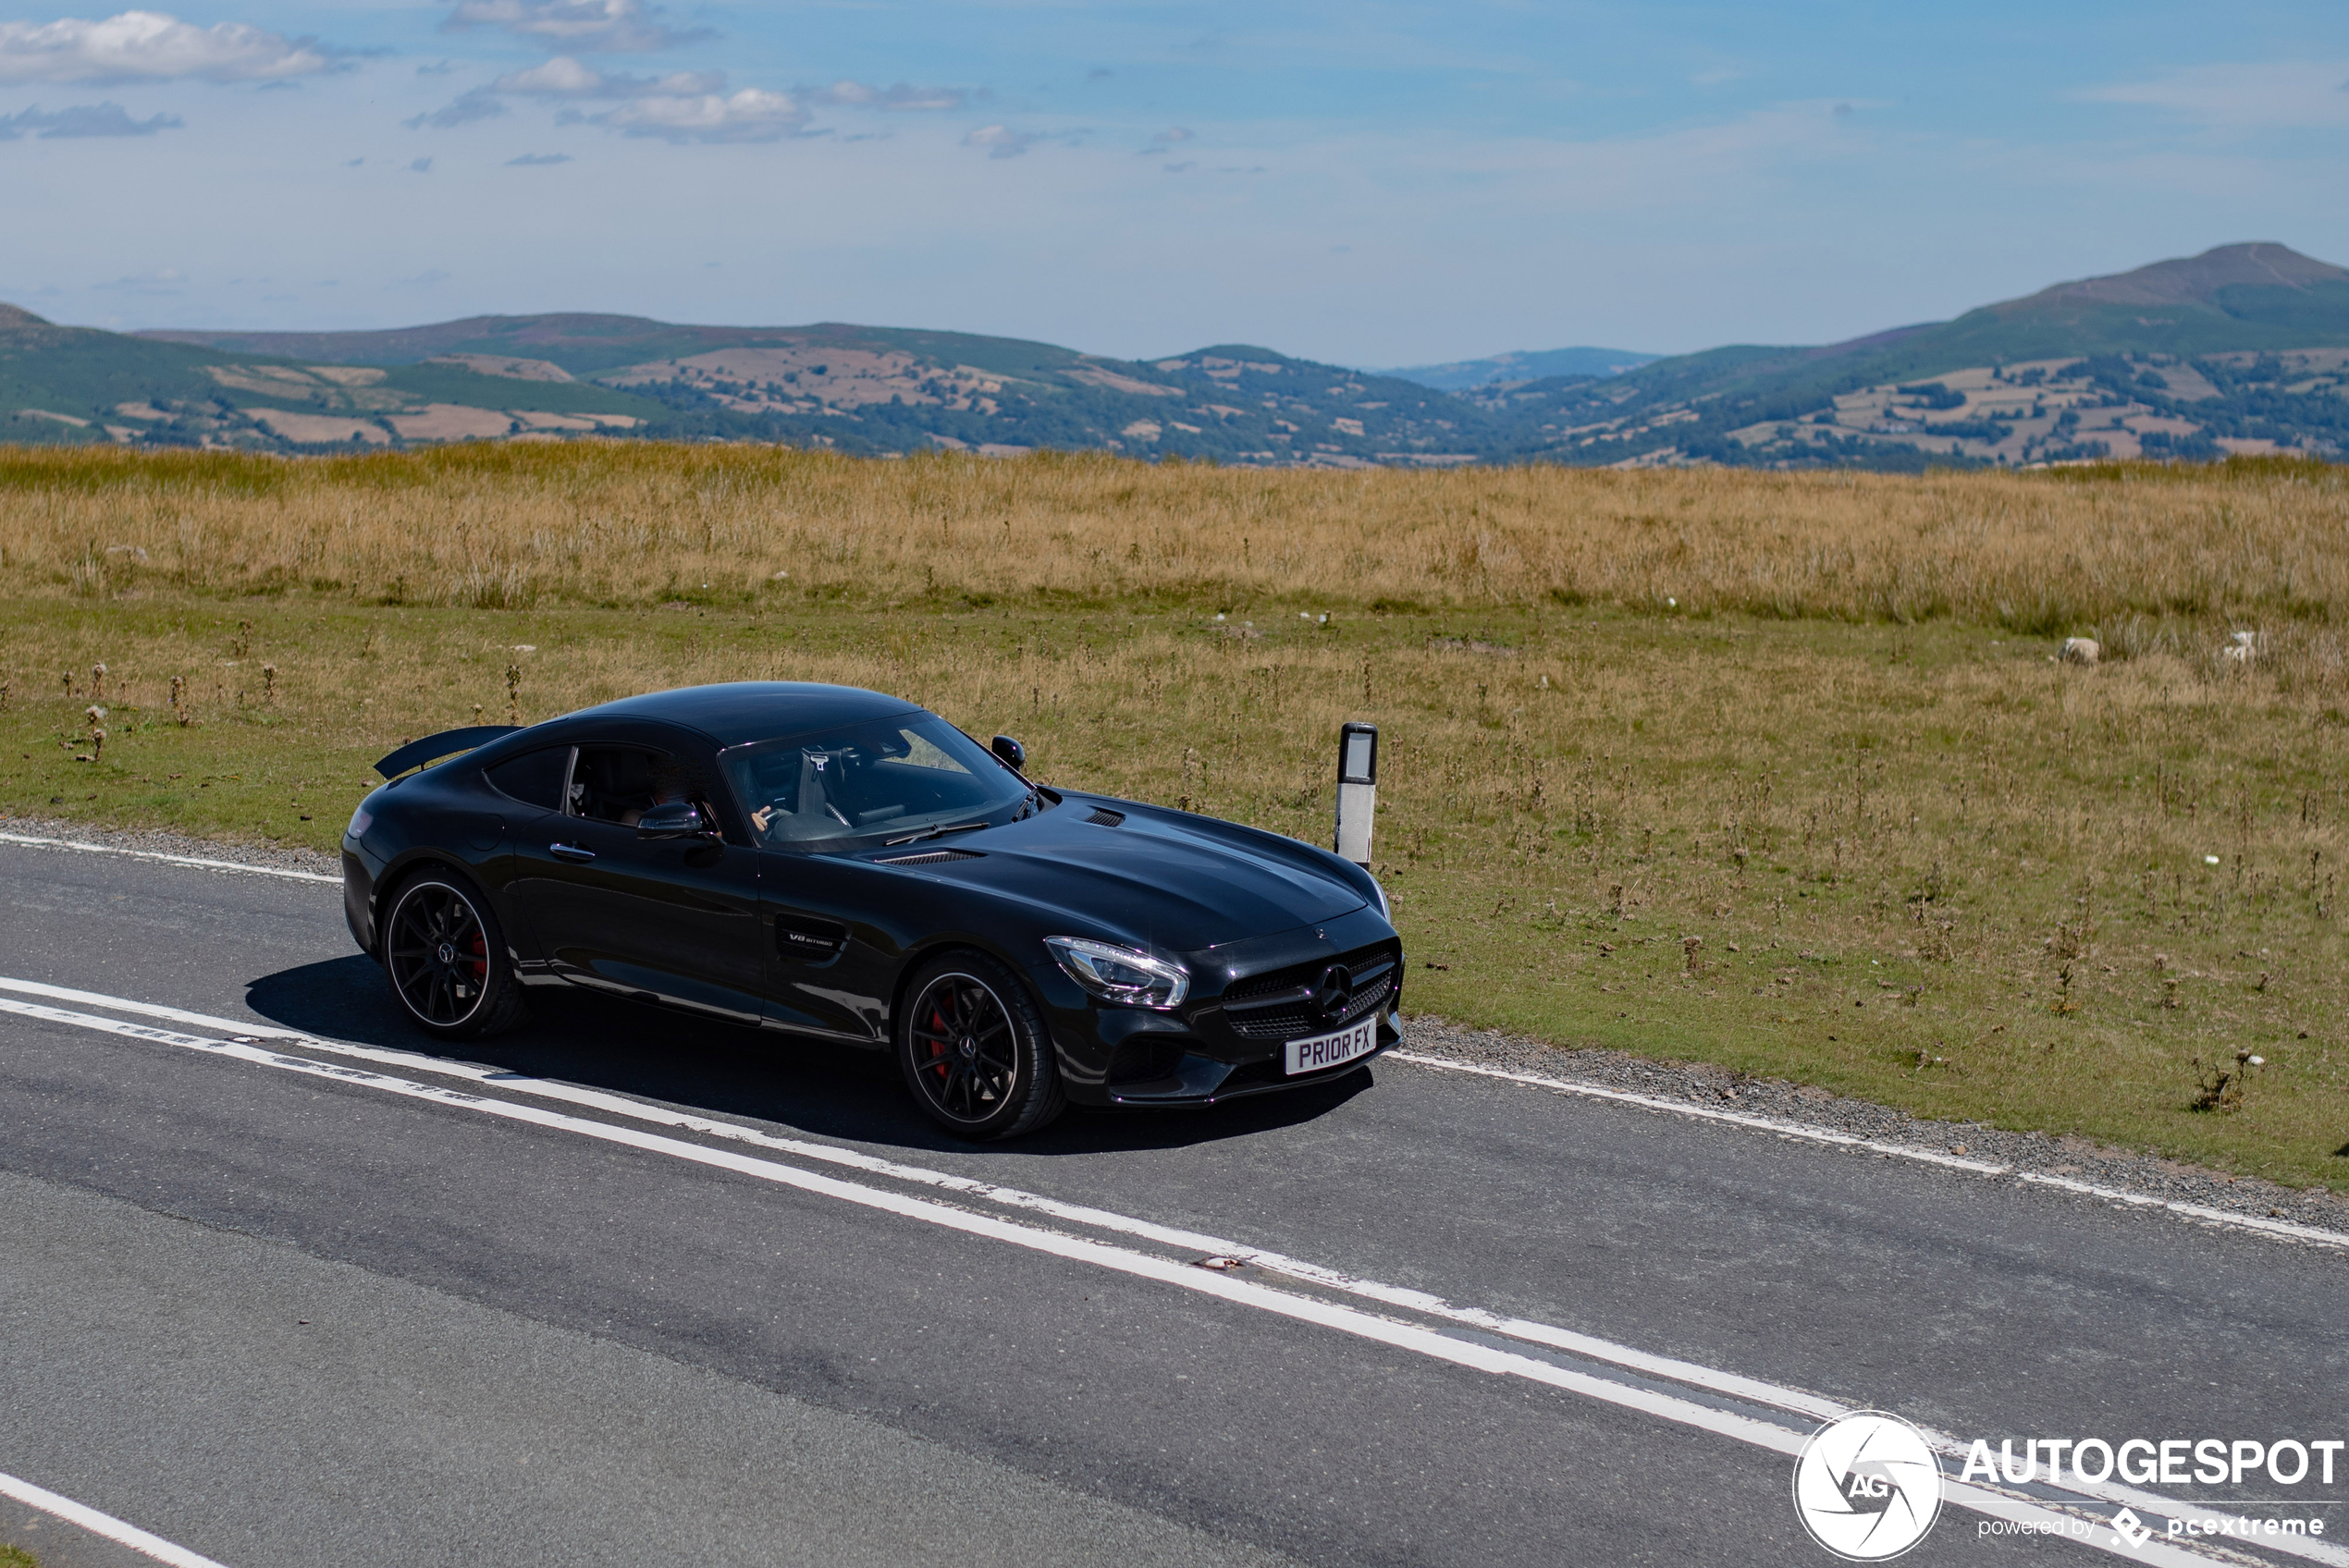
(1357, 791)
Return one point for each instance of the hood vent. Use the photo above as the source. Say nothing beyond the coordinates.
(1103, 817)
(930, 857)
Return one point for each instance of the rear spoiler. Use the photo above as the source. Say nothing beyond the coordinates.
(448, 743)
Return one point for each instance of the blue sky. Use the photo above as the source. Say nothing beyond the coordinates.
(1366, 183)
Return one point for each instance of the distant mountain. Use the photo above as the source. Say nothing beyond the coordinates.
(589, 346)
(2238, 348)
(76, 383)
(857, 389)
(1463, 376)
(2242, 349)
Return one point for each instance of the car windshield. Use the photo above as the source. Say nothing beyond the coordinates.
(871, 783)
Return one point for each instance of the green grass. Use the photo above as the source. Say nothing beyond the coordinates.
(1924, 865)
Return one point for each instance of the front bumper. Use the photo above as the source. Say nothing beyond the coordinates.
(1206, 1051)
(359, 873)
(1202, 1080)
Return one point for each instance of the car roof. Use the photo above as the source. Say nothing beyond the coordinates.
(740, 711)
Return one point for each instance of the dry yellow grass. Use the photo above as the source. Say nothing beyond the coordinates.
(623, 525)
(1924, 863)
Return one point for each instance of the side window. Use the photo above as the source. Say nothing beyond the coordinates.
(620, 783)
(535, 779)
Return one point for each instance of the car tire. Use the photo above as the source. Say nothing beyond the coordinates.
(975, 1051)
(445, 957)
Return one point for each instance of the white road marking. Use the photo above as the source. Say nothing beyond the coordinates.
(197, 861)
(1433, 1343)
(2284, 1228)
(99, 1524)
(1804, 1403)
(1730, 1384)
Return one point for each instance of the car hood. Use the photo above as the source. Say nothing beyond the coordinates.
(1169, 880)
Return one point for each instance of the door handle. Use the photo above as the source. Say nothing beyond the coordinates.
(579, 852)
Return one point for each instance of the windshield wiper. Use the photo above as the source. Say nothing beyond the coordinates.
(934, 833)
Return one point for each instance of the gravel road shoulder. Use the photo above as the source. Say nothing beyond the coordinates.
(1718, 1088)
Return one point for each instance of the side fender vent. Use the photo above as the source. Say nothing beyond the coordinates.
(930, 857)
(1103, 817)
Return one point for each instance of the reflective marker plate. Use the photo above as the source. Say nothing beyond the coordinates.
(1328, 1050)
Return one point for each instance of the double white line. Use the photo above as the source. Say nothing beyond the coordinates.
(1767, 1415)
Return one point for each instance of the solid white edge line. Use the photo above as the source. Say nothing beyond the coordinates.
(1713, 1380)
(158, 856)
(1429, 1342)
(2282, 1228)
(99, 1524)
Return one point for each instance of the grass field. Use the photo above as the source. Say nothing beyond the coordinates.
(1920, 861)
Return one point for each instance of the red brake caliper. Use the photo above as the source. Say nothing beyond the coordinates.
(938, 1059)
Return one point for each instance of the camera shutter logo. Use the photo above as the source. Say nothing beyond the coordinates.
(1867, 1486)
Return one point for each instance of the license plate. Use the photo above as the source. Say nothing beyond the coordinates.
(1328, 1050)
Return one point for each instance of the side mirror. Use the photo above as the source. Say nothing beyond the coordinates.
(1010, 752)
(675, 819)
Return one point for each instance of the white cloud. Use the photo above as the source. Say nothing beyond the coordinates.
(1001, 140)
(88, 119)
(478, 104)
(565, 77)
(605, 27)
(2274, 95)
(167, 281)
(150, 46)
(903, 96)
(748, 115)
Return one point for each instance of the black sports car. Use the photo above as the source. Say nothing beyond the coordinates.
(845, 864)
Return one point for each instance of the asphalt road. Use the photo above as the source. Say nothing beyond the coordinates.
(284, 1318)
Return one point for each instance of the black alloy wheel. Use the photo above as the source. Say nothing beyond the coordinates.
(447, 960)
(975, 1051)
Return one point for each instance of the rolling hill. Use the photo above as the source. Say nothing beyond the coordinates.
(2243, 348)
(79, 384)
(2239, 349)
(870, 390)
(1464, 375)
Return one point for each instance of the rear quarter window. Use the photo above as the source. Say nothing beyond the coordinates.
(535, 779)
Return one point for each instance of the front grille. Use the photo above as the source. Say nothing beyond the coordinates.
(929, 857)
(1279, 1006)
(1293, 1021)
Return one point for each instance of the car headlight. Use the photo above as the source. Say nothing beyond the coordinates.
(1126, 976)
(1385, 910)
(360, 820)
